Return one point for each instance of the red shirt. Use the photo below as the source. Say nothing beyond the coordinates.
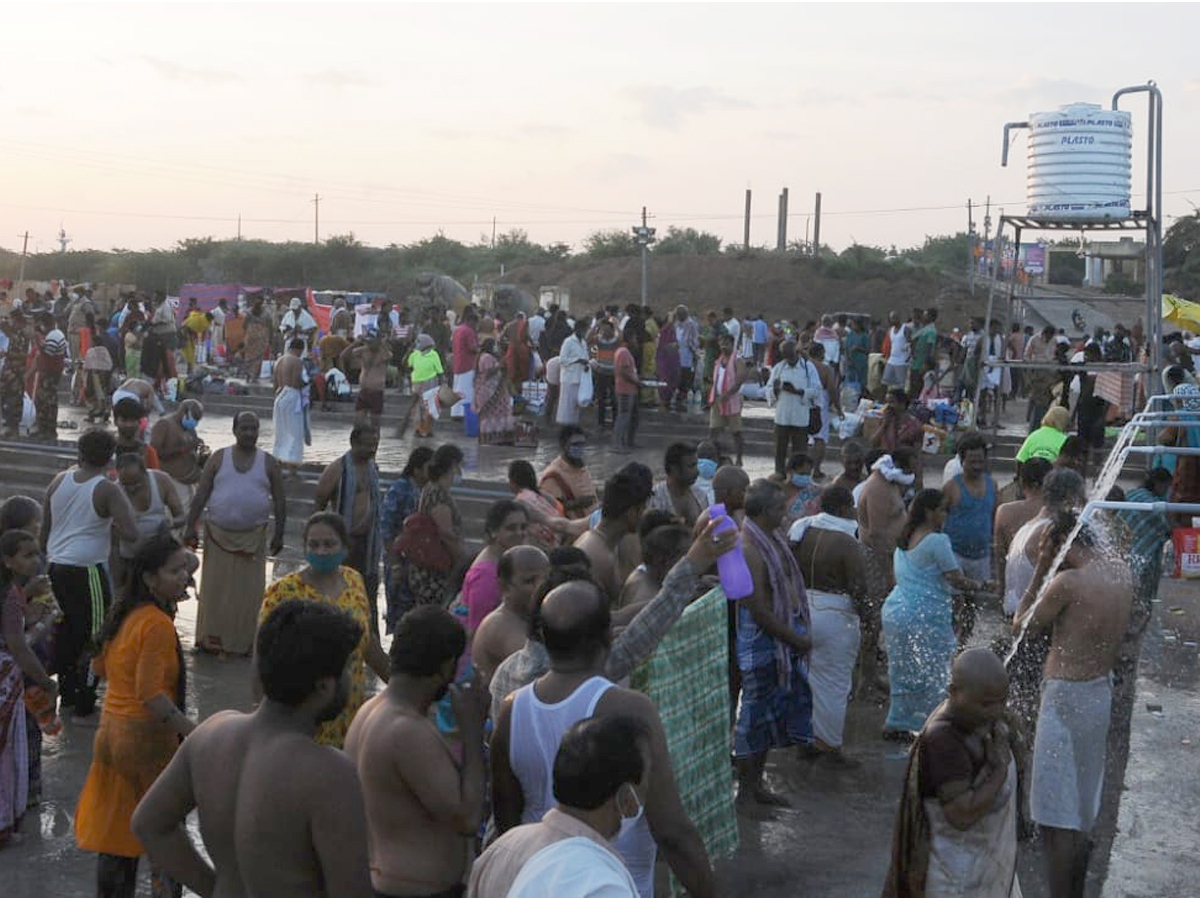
(623, 365)
(464, 347)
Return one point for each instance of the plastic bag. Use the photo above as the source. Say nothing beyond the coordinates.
(586, 389)
(850, 425)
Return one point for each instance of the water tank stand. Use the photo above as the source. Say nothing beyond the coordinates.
(1148, 221)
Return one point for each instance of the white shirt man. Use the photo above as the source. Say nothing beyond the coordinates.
(793, 409)
(537, 324)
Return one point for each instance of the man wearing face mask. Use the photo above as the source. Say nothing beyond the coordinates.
(567, 479)
(708, 460)
(179, 448)
(678, 493)
(601, 772)
(423, 808)
(575, 623)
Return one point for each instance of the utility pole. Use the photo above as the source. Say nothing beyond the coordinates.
(493, 232)
(987, 233)
(24, 252)
(970, 248)
(643, 236)
(816, 244)
(239, 237)
(316, 218)
(746, 238)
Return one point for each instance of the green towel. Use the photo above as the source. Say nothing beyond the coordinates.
(688, 680)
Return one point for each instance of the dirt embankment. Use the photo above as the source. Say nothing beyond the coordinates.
(778, 287)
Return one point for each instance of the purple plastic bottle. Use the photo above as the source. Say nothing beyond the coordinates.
(731, 566)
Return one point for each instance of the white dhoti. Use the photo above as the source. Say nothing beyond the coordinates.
(568, 405)
(980, 861)
(288, 417)
(835, 636)
(464, 386)
(1069, 752)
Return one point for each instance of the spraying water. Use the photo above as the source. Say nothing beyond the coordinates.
(1109, 473)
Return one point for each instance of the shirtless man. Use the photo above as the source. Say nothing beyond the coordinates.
(1086, 605)
(679, 493)
(423, 809)
(1012, 516)
(625, 497)
(373, 358)
(881, 517)
(301, 835)
(854, 455)
(729, 487)
(141, 390)
(174, 439)
(288, 379)
(360, 512)
(663, 545)
(505, 629)
(830, 558)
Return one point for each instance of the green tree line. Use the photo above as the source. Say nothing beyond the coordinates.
(343, 261)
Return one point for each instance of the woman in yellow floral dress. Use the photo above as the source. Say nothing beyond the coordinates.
(325, 580)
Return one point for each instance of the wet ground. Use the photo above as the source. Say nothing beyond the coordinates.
(836, 839)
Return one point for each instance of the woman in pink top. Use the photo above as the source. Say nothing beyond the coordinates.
(504, 527)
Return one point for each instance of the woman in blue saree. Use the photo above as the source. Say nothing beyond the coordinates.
(918, 616)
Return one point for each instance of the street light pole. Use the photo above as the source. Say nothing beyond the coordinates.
(643, 236)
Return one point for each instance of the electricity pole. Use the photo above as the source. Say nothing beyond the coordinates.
(643, 236)
(971, 243)
(24, 252)
(816, 247)
(746, 238)
(316, 201)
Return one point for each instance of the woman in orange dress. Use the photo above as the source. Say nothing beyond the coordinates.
(325, 580)
(142, 721)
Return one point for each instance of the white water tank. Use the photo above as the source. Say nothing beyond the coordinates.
(1079, 163)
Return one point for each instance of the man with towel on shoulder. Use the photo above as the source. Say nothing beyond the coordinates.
(1087, 604)
(830, 557)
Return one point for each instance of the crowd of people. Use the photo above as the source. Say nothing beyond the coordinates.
(521, 744)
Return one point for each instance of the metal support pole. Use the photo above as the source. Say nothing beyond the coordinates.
(746, 237)
(816, 248)
(645, 274)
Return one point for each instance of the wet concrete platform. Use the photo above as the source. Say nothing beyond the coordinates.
(836, 839)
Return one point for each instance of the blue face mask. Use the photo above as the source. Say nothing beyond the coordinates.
(324, 563)
(189, 423)
(707, 468)
(801, 480)
(458, 479)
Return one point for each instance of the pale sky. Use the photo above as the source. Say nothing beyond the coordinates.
(137, 125)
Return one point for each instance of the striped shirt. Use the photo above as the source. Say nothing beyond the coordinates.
(1150, 531)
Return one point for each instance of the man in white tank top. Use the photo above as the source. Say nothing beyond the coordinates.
(79, 514)
(575, 624)
(895, 370)
(240, 488)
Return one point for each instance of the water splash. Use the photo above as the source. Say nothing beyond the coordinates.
(1105, 480)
